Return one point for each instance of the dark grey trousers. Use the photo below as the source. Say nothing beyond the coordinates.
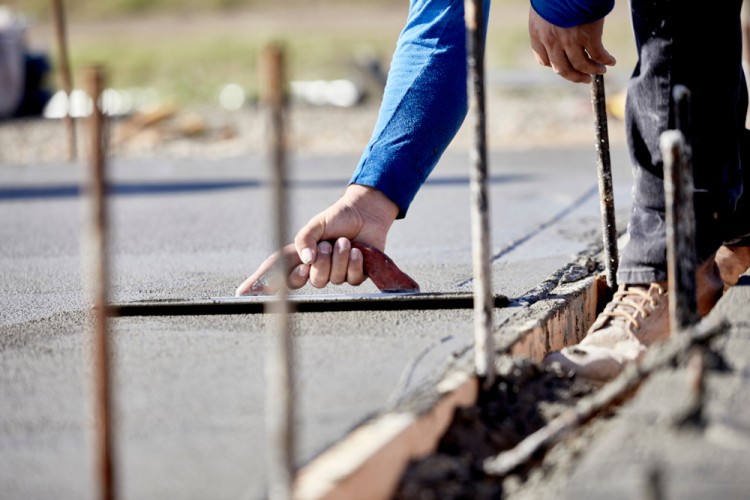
(698, 45)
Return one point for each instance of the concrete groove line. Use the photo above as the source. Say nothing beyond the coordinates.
(513, 245)
(401, 392)
(557, 278)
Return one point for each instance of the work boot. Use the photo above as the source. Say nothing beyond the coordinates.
(733, 262)
(637, 317)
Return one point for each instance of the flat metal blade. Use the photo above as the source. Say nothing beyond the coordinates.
(392, 301)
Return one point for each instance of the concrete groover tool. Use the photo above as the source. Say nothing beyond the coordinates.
(398, 291)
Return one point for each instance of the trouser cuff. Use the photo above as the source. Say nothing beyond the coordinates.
(640, 276)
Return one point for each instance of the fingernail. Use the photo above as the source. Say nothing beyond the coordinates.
(342, 245)
(306, 255)
(303, 271)
(325, 248)
(356, 254)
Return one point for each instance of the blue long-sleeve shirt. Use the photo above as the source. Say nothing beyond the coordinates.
(425, 99)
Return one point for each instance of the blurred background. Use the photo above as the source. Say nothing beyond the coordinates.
(183, 74)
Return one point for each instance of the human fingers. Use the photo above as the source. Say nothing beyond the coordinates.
(537, 33)
(600, 55)
(561, 64)
(306, 240)
(355, 273)
(338, 220)
(321, 267)
(340, 261)
(540, 53)
(552, 51)
(298, 276)
(261, 281)
(583, 64)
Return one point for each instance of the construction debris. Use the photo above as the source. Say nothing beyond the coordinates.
(525, 413)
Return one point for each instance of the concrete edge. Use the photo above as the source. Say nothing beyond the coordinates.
(369, 462)
(558, 322)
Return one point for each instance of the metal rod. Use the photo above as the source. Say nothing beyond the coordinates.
(680, 218)
(66, 79)
(423, 301)
(681, 100)
(653, 484)
(604, 175)
(99, 282)
(484, 352)
(280, 399)
(696, 374)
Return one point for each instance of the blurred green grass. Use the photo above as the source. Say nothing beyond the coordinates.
(93, 9)
(193, 70)
(188, 49)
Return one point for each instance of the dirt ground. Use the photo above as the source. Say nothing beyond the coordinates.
(527, 105)
(517, 119)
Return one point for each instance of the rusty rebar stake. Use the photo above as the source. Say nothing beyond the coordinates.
(484, 352)
(96, 190)
(604, 176)
(681, 111)
(680, 218)
(280, 398)
(66, 79)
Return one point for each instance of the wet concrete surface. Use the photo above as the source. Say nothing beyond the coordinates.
(190, 390)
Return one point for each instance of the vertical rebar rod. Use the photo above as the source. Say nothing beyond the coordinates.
(96, 190)
(696, 372)
(66, 79)
(280, 399)
(484, 352)
(681, 111)
(680, 218)
(604, 175)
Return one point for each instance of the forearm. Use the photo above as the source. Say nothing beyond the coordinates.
(424, 103)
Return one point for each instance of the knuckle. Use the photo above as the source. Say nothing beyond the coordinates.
(318, 282)
(356, 282)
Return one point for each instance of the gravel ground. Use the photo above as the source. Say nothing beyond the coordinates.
(517, 119)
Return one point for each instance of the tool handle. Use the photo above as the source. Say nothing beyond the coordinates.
(380, 268)
(383, 272)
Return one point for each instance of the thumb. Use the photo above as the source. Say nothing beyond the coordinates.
(261, 281)
(306, 241)
(601, 55)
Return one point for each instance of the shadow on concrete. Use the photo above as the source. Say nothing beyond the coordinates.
(159, 188)
(122, 189)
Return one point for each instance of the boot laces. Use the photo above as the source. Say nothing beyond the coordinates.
(633, 302)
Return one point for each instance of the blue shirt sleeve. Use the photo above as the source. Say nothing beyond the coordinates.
(569, 13)
(424, 104)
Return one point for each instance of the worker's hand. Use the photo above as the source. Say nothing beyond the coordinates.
(573, 53)
(362, 213)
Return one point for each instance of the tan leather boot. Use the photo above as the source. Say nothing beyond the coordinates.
(733, 262)
(637, 317)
